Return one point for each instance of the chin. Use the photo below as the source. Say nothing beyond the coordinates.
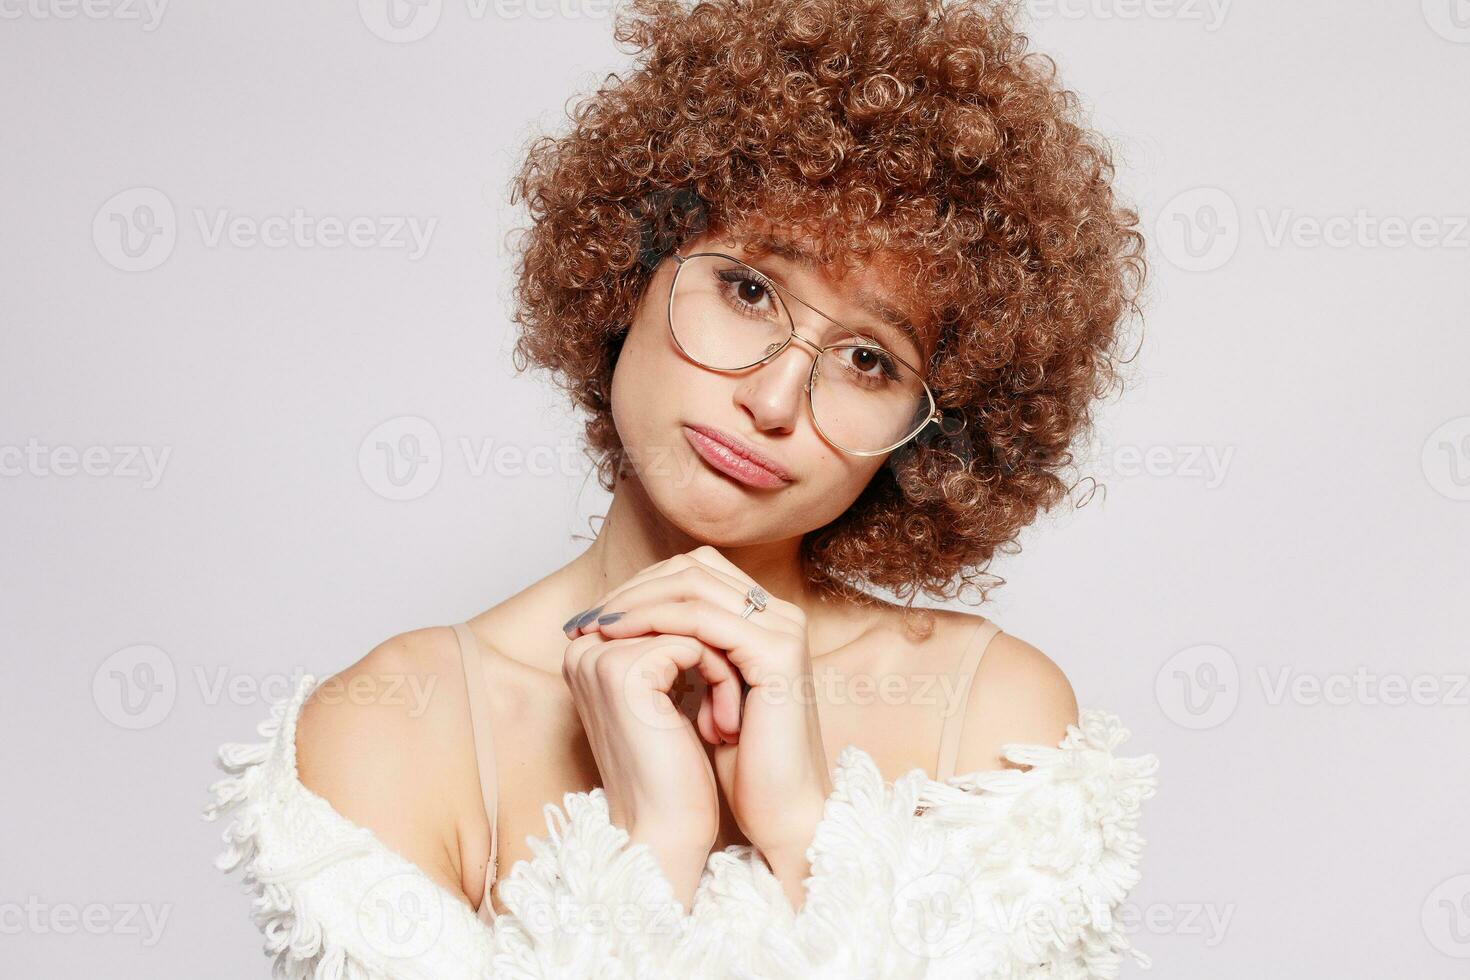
(715, 510)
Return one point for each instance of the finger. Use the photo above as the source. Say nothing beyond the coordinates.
(704, 557)
(720, 676)
(707, 559)
(722, 680)
(577, 649)
(691, 582)
(707, 708)
(739, 695)
(710, 555)
(738, 637)
(679, 588)
(725, 698)
(715, 560)
(705, 720)
(657, 569)
(712, 559)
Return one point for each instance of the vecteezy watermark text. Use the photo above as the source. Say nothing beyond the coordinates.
(1200, 229)
(137, 687)
(1210, 13)
(1200, 687)
(122, 461)
(38, 917)
(137, 230)
(149, 13)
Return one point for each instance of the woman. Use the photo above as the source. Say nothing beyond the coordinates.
(835, 284)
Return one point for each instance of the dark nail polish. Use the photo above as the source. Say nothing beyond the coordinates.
(567, 626)
(609, 618)
(587, 617)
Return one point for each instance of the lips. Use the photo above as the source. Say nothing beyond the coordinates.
(735, 458)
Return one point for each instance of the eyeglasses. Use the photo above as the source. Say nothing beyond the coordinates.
(728, 316)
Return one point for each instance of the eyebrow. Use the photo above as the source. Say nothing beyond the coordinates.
(869, 302)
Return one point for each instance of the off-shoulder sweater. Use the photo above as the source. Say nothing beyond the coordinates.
(1008, 873)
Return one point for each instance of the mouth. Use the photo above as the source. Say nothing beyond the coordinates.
(736, 459)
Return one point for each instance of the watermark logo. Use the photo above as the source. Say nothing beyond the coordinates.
(135, 687)
(1450, 19)
(933, 915)
(1445, 917)
(135, 230)
(400, 21)
(402, 916)
(642, 694)
(402, 458)
(1199, 686)
(1445, 459)
(1199, 229)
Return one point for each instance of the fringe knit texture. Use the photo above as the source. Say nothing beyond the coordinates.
(1003, 874)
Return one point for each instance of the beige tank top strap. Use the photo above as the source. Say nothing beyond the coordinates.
(474, 675)
(954, 723)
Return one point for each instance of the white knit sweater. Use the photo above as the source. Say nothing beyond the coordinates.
(992, 874)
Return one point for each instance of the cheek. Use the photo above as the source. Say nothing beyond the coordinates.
(651, 370)
(834, 481)
(647, 352)
(629, 399)
(647, 348)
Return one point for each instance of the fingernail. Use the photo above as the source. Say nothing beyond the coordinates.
(587, 617)
(609, 618)
(567, 626)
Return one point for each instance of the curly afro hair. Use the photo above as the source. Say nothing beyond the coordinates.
(920, 128)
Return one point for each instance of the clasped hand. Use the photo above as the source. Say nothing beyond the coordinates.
(679, 614)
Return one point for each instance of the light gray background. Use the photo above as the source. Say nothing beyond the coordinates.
(1288, 483)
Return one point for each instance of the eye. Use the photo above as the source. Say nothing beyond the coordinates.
(875, 362)
(746, 290)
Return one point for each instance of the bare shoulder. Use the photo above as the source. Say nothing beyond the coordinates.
(1019, 694)
(387, 743)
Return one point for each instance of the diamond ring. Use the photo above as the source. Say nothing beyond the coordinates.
(755, 600)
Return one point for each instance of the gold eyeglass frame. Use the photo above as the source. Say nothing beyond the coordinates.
(784, 293)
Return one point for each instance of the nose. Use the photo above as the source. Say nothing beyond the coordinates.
(773, 391)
